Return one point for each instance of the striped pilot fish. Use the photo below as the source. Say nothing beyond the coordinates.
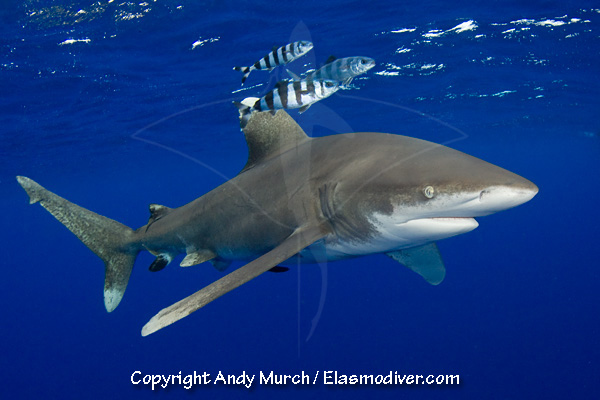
(287, 95)
(279, 56)
(341, 69)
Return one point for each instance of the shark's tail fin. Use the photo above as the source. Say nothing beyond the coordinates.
(245, 72)
(111, 241)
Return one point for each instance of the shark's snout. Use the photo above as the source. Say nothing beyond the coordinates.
(498, 198)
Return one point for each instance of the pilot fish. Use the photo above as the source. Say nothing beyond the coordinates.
(287, 95)
(342, 69)
(279, 56)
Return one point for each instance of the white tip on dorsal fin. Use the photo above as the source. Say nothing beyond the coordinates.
(268, 135)
(197, 257)
(250, 101)
(425, 260)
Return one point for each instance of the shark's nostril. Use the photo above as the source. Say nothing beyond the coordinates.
(483, 194)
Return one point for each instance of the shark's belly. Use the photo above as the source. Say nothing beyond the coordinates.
(389, 236)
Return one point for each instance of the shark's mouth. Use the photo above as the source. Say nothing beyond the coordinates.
(449, 218)
(437, 228)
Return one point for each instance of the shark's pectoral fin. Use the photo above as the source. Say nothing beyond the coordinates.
(300, 239)
(425, 260)
(197, 257)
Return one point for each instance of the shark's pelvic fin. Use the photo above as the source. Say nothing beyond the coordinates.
(279, 269)
(268, 134)
(425, 260)
(300, 239)
(220, 264)
(111, 241)
(197, 257)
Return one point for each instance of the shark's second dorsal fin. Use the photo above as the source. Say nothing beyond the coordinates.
(157, 212)
(197, 257)
(267, 135)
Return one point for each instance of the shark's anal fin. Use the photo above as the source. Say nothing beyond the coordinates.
(300, 239)
(161, 261)
(425, 260)
(197, 257)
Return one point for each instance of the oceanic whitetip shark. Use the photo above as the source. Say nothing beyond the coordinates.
(303, 199)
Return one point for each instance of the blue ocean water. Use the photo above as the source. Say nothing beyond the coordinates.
(115, 105)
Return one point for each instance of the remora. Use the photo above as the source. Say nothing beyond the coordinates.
(316, 199)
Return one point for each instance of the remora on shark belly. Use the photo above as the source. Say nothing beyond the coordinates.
(316, 199)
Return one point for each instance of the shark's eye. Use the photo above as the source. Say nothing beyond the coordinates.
(329, 84)
(429, 192)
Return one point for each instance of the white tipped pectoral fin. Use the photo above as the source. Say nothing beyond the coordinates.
(425, 260)
(300, 239)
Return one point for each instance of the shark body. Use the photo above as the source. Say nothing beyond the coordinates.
(303, 199)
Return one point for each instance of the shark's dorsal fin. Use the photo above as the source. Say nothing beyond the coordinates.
(268, 135)
(157, 212)
(197, 257)
(425, 260)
